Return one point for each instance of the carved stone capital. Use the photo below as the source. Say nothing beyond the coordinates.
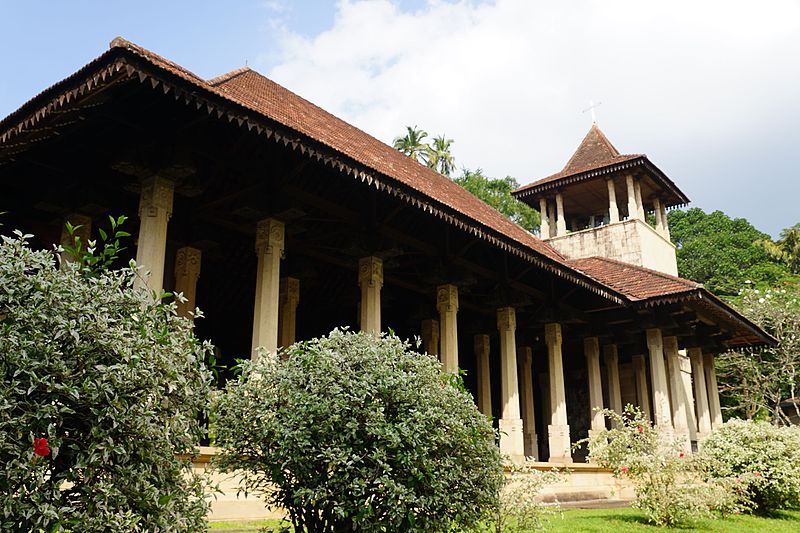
(506, 319)
(591, 347)
(671, 345)
(289, 291)
(270, 236)
(187, 262)
(430, 330)
(610, 354)
(157, 194)
(370, 272)
(446, 298)
(481, 344)
(525, 356)
(552, 333)
(654, 339)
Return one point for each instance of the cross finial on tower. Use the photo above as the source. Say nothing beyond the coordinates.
(591, 108)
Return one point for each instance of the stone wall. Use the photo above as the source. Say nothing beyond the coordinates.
(631, 241)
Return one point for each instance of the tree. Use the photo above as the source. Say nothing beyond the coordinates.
(787, 249)
(439, 157)
(354, 432)
(721, 252)
(759, 382)
(497, 193)
(100, 390)
(412, 144)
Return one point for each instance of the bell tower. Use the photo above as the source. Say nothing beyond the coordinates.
(599, 205)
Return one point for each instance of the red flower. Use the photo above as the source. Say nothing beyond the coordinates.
(681, 455)
(624, 469)
(641, 429)
(758, 474)
(40, 447)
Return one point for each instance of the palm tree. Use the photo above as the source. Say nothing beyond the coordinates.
(439, 156)
(412, 144)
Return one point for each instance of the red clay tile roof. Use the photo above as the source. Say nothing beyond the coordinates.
(635, 282)
(594, 152)
(650, 287)
(261, 94)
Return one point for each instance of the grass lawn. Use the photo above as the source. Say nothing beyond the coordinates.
(612, 521)
(619, 520)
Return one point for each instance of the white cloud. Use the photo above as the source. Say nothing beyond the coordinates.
(679, 80)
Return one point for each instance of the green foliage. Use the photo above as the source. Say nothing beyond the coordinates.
(93, 260)
(439, 157)
(764, 460)
(497, 193)
(435, 155)
(413, 144)
(721, 252)
(754, 382)
(521, 508)
(353, 432)
(669, 483)
(114, 381)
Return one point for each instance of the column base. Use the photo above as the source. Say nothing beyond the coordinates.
(560, 445)
(531, 446)
(511, 440)
(682, 435)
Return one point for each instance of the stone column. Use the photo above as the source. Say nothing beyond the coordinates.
(591, 349)
(686, 376)
(481, 343)
(663, 210)
(561, 222)
(659, 220)
(544, 227)
(633, 209)
(700, 394)
(82, 231)
(642, 390)
(658, 377)
(287, 323)
(269, 250)
(639, 203)
(155, 210)
(430, 336)
(713, 391)
(511, 439)
(370, 279)
(528, 407)
(680, 421)
(551, 216)
(611, 359)
(613, 210)
(447, 305)
(187, 272)
(558, 430)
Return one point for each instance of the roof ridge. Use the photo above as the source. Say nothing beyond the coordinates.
(585, 145)
(222, 78)
(121, 42)
(641, 268)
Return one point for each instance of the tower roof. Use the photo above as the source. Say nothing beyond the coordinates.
(595, 157)
(595, 149)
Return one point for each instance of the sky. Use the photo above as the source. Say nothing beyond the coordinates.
(709, 90)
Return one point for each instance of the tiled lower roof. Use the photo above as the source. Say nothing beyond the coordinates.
(635, 282)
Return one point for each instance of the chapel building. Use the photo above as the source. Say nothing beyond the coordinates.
(281, 221)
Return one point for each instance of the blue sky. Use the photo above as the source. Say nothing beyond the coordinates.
(707, 89)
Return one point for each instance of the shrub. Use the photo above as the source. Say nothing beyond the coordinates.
(762, 458)
(669, 483)
(521, 507)
(353, 432)
(113, 381)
